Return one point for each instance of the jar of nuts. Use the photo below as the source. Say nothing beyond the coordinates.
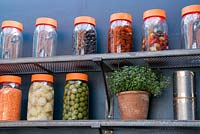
(120, 35)
(84, 36)
(41, 98)
(191, 27)
(155, 35)
(75, 100)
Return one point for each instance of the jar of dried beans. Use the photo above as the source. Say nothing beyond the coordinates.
(84, 36)
(76, 94)
(155, 35)
(120, 36)
(45, 37)
(41, 98)
(191, 27)
(10, 97)
(11, 39)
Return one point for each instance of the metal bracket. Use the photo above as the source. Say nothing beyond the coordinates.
(109, 96)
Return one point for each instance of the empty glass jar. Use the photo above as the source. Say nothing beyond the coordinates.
(10, 97)
(45, 37)
(84, 36)
(191, 27)
(155, 30)
(11, 39)
(120, 35)
(76, 94)
(41, 98)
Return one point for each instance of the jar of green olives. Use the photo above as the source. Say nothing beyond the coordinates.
(75, 100)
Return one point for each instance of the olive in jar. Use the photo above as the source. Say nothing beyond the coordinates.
(76, 94)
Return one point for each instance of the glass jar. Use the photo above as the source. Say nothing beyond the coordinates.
(84, 36)
(10, 97)
(155, 30)
(11, 39)
(41, 98)
(76, 94)
(45, 37)
(120, 35)
(190, 27)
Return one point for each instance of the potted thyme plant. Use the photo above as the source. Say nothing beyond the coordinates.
(133, 86)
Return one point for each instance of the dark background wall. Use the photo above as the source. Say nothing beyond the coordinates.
(64, 11)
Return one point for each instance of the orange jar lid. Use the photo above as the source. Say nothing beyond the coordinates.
(10, 78)
(42, 77)
(190, 9)
(10, 23)
(46, 21)
(121, 16)
(84, 19)
(154, 13)
(77, 76)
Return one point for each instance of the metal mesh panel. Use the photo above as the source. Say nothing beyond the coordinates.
(156, 62)
(76, 66)
(20, 69)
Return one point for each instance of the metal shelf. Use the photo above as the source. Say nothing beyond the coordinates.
(97, 124)
(84, 63)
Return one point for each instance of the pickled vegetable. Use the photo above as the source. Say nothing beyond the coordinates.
(40, 101)
(75, 106)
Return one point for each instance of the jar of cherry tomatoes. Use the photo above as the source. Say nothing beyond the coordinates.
(120, 36)
(191, 27)
(155, 30)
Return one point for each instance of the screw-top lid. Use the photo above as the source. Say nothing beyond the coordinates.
(154, 13)
(190, 9)
(77, 76)
(46, 21)
(121, 16)
(42, 77)
(10, 78)
(84, 19)
(14, 24)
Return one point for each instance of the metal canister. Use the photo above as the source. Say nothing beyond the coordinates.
(184, 98)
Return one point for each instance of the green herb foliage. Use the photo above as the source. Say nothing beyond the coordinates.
(137, 78)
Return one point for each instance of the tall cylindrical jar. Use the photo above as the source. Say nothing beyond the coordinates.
(41, 98)
(84, 36)
(120, 35)
(45, 37)
(190, 27)
(11, 39)
(10, 97)
(184, 96)
(76, 94)
(155, 30)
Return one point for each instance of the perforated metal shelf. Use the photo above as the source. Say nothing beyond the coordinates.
(85, 63)
(102, 124)
(159, 59)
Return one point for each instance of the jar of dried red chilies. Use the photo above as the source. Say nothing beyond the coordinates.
(191, 27)
(155, 35)
(120, 36)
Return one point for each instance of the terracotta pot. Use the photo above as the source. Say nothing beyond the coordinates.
(133, 104)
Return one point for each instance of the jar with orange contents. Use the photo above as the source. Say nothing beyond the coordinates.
(10, 97)
(155, 35)
(120, 35)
